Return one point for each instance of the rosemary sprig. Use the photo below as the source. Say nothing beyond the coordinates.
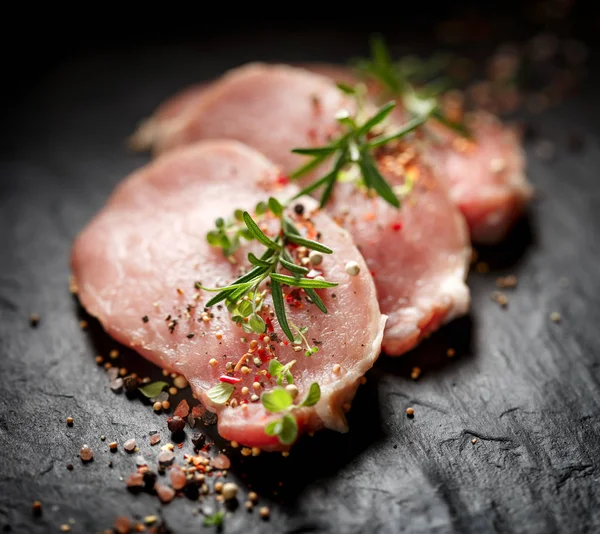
(415, 83)
(244, 297)
(354, 147)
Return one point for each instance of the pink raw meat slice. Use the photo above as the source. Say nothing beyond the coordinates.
(486, 177)
(258, 113)
(143, 253)
(418, 255)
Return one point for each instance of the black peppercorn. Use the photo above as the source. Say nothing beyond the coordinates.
(198, 440)
(130, 383)
(176, 424)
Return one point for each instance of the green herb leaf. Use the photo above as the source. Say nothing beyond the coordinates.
(293, 268)
(377, 182)
(287, 373)
(314, 395)
(273, 428)
(289, 227)
(245, 308)
(305, 169)
(315, 185)
(275, 367)
(258, 262)
(220, 393)
(411, 125)
(278, 304)
(310, 244)
(302, 282)
(317, 151)
(258, 234)
(281, 372)
(316, 299)
(260, 209)
(286, 429)
(289, 430)
(275, 206)
(276, 400)
(214, 520)
(153, 389)
(344, 88)
(381, 114)
(257, 324)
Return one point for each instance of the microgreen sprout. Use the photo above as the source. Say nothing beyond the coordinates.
(300, 339)
(244, 297)
(281, 372)
(279, 400)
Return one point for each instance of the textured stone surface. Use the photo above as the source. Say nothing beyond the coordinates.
(527, 389)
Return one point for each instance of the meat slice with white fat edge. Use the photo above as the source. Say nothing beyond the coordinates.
(418, 255)
(138, 261)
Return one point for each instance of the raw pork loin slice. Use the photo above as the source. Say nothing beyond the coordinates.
(418, 255)
(485, 176)
(143, 253)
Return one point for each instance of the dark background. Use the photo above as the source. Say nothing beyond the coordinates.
(527, 389)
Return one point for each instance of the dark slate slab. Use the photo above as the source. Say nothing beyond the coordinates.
(525, 388)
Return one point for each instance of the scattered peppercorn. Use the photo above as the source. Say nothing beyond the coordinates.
(555, 317)
(69, 421)
(175, 424)
(37, 508)
(299, 209)
(410, 412)
(157, 406)
(315, 257)
(500, 298)
(113, 445)
(352, 268)
(34, 320)
(86, 453)
(180, 382)
(504, 282)
(229, 491)
(198, 440)
(130, 383)
(264, 512)
(70, 467)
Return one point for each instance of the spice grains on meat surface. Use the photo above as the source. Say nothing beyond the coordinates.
(418, 254)
(141, 266)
